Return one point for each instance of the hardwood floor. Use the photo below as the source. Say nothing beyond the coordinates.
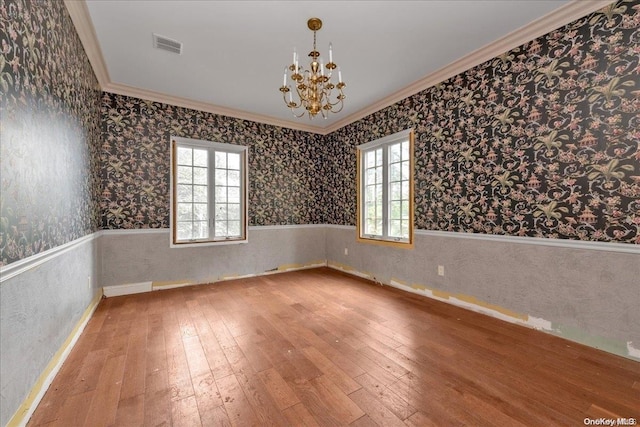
(317, 347)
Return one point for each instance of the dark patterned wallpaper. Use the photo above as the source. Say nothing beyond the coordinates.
(542, 141)
(285, 166)
(50, 133)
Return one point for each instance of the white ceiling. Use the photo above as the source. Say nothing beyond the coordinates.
(235, 51)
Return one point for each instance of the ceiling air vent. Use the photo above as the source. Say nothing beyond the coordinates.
(165, 43)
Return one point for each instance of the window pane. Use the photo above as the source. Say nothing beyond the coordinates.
(394, 172)
(396, 191)
(369, 225)
(405, 190)
(394, 228)
(405, 209)
(200, 158)
(221, 176)
(184, 230)
(185, 193)
(221, 228)
(185, 211)
(201, 229)
(200, 212)
(184, 156)
(379, 193)
(200, 193)
(233, 194)
(185, 174)
(369, 159)
(379, 227)
(233, 211)
(370, 210)
(371, 177)
(394, 153)
(233, 228)
(369, 194)
(405, 170)
(233, 178)
(221, 160)
(233, 161)
(405, 150)
(200, 176)
(395, 210)
(221, 194)
(379, 157)
(379, 176)
(405, 229)
(221, 212)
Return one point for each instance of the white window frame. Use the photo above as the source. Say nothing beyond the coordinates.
(212, 147)
(384, 143)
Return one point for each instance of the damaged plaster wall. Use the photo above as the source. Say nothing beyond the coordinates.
(585, 295)
(135, 256)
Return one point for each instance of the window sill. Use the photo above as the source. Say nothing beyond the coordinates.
(406, 244)
(172, 244)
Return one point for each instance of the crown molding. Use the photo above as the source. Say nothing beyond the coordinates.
(539, 27)
(570, 12)
(84, 27)
(150, 95)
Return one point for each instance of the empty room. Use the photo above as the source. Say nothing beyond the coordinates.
(333, 213)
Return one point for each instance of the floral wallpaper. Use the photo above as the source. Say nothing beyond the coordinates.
(285, 168)
(50, 109)
(542, 141)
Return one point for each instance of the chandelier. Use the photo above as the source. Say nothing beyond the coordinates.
(314, 87)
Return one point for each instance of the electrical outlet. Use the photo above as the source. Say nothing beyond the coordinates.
(346, 251)
(441, 270)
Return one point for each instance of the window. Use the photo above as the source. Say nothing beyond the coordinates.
(208, 192)
(385, 190)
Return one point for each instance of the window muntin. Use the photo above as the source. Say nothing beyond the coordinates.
(385, 202)
(208, 192)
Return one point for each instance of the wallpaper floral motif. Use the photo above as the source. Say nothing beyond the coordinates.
(541, 141)
(50, 133)
(285, 168)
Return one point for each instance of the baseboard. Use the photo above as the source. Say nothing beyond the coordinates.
(31, 402)
(467, 302)
(135, 288)
(127, 289)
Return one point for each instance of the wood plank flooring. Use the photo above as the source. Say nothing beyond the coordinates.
(319, 348)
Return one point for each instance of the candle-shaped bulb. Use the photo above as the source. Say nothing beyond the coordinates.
(290, 97)
(284, 78)
(321, 67)
(295, 56)
(339, 75)
(330, 53)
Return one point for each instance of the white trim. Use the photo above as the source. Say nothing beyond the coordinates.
(562, 243)
(341, 227)
(284, 227)
(126, 289)
(570, 12)
(15, 268)
(9, 271)
(401, 136)
(115, 231)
